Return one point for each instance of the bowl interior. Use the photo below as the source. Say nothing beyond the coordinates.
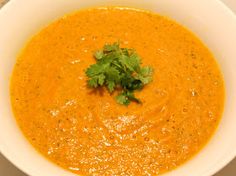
(214, 24)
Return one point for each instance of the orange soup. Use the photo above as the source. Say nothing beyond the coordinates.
(86, 131)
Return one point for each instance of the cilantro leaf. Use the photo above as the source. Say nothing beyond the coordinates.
(126, 97)
(93, 82)
(111, 86)
(111, 47)
(145, 75)
(131, 97)
(101, 79)
(95, 70)
(119, 67)
(122, 99)
(98, 54)
(112, 74)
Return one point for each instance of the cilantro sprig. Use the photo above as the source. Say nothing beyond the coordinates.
(119, 69)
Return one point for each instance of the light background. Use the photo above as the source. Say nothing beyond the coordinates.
(7, 169)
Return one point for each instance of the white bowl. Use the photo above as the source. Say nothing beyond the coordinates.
(211, 20)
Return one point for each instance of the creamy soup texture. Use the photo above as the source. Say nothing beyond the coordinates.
(85, 130)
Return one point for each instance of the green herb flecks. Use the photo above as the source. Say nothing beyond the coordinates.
(118, 67)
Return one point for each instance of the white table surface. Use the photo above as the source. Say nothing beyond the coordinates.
(7, 169)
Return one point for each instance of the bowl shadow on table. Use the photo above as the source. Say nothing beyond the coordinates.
(9, 170)
(229, 170)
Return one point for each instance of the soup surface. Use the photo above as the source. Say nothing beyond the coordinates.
(86, 131)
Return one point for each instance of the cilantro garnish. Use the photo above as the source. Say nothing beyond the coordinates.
(118, 67)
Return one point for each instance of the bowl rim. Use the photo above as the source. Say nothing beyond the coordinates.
(210, 172)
